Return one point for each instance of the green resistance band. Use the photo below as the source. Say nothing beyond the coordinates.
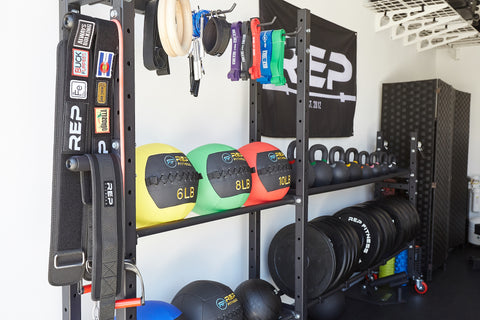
(278, 54)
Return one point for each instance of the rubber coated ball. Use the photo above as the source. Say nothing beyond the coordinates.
(226, 178)
(206, 300)
(272, 175)
(166, 184)
(259, 300)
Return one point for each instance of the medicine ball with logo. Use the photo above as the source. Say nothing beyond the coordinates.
(166, 184)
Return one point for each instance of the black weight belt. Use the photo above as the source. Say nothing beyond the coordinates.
(86, 71)
(246, 50)
(216, 36)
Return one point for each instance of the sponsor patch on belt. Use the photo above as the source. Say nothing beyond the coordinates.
(102, 91)
(78, 89)
(104, 65)
(84, 35)
(80, 63)
(102, 120)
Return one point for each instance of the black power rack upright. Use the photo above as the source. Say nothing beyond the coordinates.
(124, 11)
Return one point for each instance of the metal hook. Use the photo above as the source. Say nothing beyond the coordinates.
(294, 33)
(217, 12)
(268, 23)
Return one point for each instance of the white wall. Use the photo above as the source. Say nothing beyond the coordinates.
(458, 67)
(165, 113)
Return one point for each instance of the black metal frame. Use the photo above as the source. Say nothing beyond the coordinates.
(124, 11)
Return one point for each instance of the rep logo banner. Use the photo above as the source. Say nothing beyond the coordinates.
(333, 73)
(104, 65)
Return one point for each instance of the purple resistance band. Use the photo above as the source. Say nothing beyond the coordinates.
(235, 66)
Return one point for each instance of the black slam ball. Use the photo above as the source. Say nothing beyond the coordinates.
(259, 300)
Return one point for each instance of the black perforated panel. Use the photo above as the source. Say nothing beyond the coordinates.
(459, 190)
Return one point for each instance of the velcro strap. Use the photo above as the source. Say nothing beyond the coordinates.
(256, 56)
(216, 36)
(278, 55)
(171, 177)
(266, 54)
(281, 167)
(246, 50)
(235, 65)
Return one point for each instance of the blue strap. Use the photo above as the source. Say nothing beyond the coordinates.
(266, 56)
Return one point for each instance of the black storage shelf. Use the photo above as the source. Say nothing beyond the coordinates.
(288, 199)
(178, 224)
(400, 173)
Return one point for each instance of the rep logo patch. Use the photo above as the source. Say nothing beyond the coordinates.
(108, 195)
(102, 120)
(272, 156)
(84, 35)
(221, 304)
(170, 161)
(227, 158)
(78, 89)
(104, 65)
(80, 63)
(102, 92)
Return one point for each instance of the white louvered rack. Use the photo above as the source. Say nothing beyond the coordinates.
(426, 23)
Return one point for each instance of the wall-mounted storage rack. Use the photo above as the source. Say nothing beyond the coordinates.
(124, 11)
(425, 23)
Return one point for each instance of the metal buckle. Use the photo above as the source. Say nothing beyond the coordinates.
(68, 253)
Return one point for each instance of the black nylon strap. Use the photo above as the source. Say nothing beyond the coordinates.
(216, 36)
(107, 231)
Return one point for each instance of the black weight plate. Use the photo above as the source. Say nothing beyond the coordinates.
(339, 246)
(401, 205)
(380, 231)
(366, 229)
(354, 243)
(319, 255)
(350, 246)
(400, 221)
(387, 224)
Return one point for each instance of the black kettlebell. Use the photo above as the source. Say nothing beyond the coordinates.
(353, 166)
(383, 159)
(375, 163)
(363, 159)
(310, 174)
(339, 169)
(392, 163)
(323, 172)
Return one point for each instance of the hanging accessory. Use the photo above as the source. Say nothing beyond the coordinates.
(198, 24)
(175, 26)
(278, 55)
(266, 54)
(154, 56)
(254, 70)
(236, 63)
(246, 50)
(216, 36)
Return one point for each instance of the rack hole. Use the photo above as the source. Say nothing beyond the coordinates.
(129, 128)
(128, 63)
(129, 191)
(129, 223)
(65, 310)
(130, 286)
(128, 30)
(128, 96)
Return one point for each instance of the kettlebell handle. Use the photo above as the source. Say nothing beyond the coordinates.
(374, 158)
(315, 148)
(291, 150)
(392, 158)
(363, 158)
(350, 151)
(383, 157)
(333, 151)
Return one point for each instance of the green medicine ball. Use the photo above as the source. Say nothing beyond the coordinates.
(226, 178)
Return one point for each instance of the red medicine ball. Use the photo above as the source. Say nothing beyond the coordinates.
(271, 179)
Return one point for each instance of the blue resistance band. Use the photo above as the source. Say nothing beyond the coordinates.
(266, 56)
